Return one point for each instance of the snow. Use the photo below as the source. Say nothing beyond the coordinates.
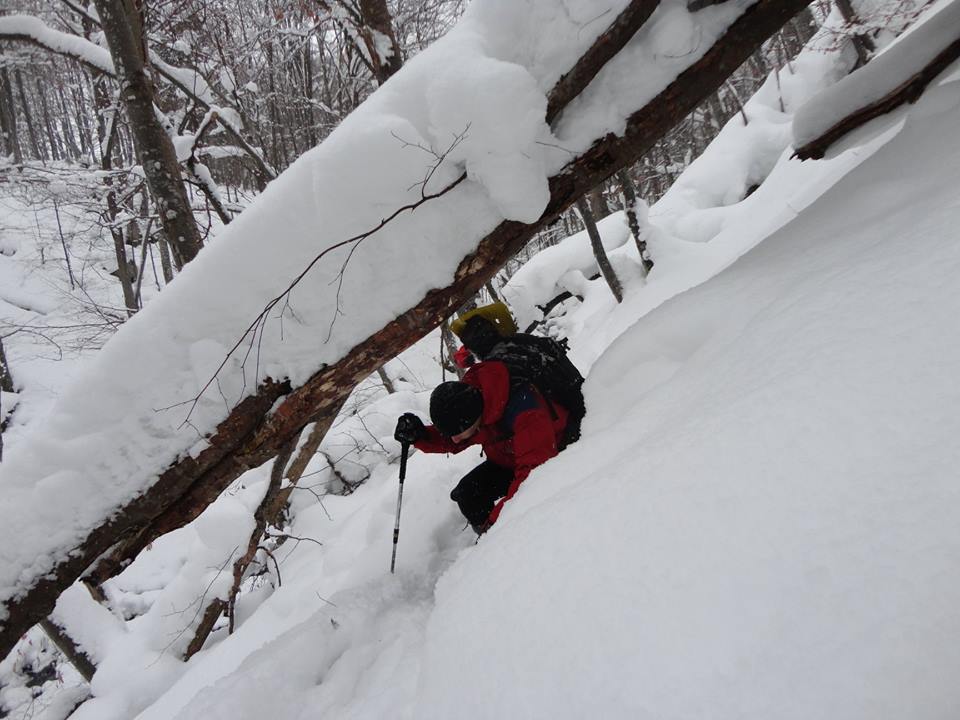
(669, 42)
(760, 520)
(57, 41)
(110, 435)
(876, 79)
(768, 529)
(536, 282)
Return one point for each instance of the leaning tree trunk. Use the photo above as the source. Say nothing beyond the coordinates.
(630, 208)
(262, 424)
(599, 253)
(71, 650)
(123, 30)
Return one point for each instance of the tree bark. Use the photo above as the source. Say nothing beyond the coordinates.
(6, 378)
(596, 244)
(121, 26)
(166, 265)
(55, 153)
(6, 385)
(258, 427)
(27, 116)
(630, 207)
(573, 82)
(73, 652)
(598, 203)
(385, 379)
(863, 44)
(378, 21)
(106, 134)
(450, 344)
(8, 118)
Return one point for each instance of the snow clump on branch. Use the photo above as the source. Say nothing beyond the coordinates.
(500, 110)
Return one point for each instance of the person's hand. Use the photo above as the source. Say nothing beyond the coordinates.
(410, 428)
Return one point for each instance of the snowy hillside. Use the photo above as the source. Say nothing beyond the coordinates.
(760, 520)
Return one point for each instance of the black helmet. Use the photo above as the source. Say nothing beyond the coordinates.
(454, 407)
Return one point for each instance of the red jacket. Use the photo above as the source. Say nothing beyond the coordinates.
(517, 429)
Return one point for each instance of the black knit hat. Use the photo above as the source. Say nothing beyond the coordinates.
(480, 335)
(454, 407)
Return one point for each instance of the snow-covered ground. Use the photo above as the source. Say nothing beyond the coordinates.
(131, 414)
(758, 522)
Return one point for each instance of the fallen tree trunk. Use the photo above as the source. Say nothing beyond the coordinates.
(259, 427)
(204, 492)
(907, 92)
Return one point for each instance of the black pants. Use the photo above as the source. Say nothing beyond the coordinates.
(479, 489)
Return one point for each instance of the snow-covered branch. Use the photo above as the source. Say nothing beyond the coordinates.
(30, 29)
(895, 77)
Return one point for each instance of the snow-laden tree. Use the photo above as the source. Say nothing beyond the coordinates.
(363, 245)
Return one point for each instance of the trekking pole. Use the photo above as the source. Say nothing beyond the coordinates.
(404, 449)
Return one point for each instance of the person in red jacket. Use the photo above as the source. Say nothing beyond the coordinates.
(515, 425)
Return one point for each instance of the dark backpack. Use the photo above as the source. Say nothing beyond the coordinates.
(543, 363)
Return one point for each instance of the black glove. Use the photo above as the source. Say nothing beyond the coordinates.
(410, 428)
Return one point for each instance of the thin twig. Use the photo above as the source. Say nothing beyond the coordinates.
(259, 323)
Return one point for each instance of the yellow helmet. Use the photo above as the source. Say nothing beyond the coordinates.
(497, 314)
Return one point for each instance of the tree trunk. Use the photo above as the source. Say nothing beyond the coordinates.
(106, 134)
(311, 111)
(450, 345)
(55, 153)
(863, 44)
(166, 266)
(122, 28)
(598, 203)
(8, 118)
(72, 150)
(27, 116)
(6, 378)
(385, 379)
(630, 207)
(6, 385)
(377, 21)
(596, 244)
(259, 426)
(73, 652)
(573, 82)
(492, 291)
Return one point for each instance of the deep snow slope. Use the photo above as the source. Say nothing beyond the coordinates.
(761, 520)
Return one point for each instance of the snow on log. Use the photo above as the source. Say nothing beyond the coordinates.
(30, 29)
(897, 76)
(144, 425)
